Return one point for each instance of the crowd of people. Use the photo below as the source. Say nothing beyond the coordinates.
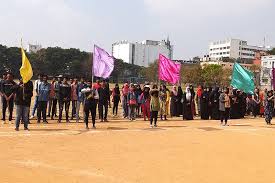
(150, 102)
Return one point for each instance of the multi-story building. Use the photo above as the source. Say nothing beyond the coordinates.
(233, 48)
(267, 64)
(142, 53)
(33, 48)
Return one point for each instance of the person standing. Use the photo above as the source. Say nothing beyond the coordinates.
(64, 99)
(174, 102)
(132, 102)
(269, 107)
(163, 95)
(80, 98)
(43, 98)
(104, 95)
(138, 93)
(116, 99)
(36, 84)
(187, 100)
(205, 105)
(154, 106)
(4, 77)
(214, 100)
(8, 96)
(224, 106)
(52, 100)
(198, 99)
(23, 95)
(74, 97)
(256, 103)
(145, 102)
(125, 90)
(90, 104)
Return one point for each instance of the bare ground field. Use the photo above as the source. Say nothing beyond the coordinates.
(130, 152)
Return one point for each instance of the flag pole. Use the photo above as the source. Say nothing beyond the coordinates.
(22, 63)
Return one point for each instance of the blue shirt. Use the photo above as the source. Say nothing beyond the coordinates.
(43, 92)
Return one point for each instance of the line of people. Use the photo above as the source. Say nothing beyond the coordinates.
(136, 100)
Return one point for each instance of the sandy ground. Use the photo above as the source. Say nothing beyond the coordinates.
(130, 152)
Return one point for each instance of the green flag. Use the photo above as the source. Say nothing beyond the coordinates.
(242, 79)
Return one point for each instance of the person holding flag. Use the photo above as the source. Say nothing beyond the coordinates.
(24, 93)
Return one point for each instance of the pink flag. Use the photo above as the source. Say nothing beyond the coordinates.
(103, 63)
(168, 70)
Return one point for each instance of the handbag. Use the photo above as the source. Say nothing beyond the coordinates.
(133, 102)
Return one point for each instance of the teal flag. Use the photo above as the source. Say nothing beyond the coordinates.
(242, 79)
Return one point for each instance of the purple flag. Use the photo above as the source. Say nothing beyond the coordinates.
(168, 70)
(103, 63)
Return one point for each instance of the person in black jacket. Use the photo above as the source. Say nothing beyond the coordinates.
(64, 99)
(23, 95)
(104, 96)
(8, 96)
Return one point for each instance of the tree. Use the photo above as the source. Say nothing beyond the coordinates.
(151, 73)
(191, 74)
(271, 52)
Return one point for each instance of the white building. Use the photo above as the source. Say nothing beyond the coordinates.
(233, 48)
(33, 48)
(142, 53)
(266, 71)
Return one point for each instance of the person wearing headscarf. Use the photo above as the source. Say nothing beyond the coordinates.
(235, 106)
(116, 99)
(125, 91)
(198, 98)
(256, 103)
(132, 102)
(269, 107)
(173, 101)
(205, 105)
(138, 93)
(193, 105)
(163, 95)
(179, 101)
(187, 100)
(214, 100)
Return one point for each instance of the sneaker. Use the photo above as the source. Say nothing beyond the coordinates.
(151, 126)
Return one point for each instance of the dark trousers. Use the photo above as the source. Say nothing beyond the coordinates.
(63, 103)
(52, 107)
(102, 105)
(74, 102)
(41, 109)
(225, 115)
(256, 110)
(90, 108)
(7, 104)
(115, 107)
(154, 117)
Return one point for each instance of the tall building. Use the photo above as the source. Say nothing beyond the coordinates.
(233, 48)
(266, 71)
(32, 48)
(142, 53)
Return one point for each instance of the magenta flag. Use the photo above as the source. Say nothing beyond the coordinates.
(103, 63)
(169, 70)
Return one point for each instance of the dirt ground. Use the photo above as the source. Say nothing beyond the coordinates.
(130, 152)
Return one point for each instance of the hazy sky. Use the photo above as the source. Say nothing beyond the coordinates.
(191, 24)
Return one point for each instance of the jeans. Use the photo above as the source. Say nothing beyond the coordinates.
(61, 106)
(79, 103)
(7, 104)
(125, 106)
(154, 117)
(22, 112)
(74, 106)
(35, 105)
(52, 107)
(42, 108)
(132, 112)
(102, 105)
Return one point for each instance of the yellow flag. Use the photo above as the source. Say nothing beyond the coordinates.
(26, 68)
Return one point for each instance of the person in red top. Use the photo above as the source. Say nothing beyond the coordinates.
(52, 101)
(199, 94)
(97, 85)
(74, 97)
